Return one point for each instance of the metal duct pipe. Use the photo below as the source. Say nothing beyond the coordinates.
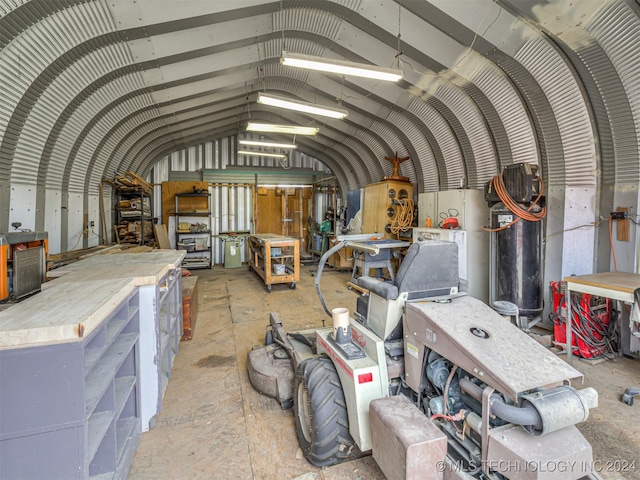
(541, 412)
(526, 416)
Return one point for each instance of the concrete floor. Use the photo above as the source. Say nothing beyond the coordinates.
(214, 425)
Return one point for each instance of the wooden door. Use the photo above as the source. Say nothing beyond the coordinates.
(269, 211)
(297, 211)
(284, 211)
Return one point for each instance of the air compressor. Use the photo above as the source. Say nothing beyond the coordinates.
(517, 206)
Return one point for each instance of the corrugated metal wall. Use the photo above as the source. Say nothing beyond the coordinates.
(232, 194)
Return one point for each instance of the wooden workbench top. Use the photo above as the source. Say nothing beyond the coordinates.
(63, 313)
(144, 274)
(170, 258)
(271, 237)
(619, 281)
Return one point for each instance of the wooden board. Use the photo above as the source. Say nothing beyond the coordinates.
(172, 258)
(145, 274)
(622, 225)
(169, 190)
(268, 213)
(189, 306)
(619, 281)
(162, 235)
(62, 313)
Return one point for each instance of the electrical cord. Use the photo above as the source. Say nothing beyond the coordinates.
(598, 338)
(497, 183)
(403, 218)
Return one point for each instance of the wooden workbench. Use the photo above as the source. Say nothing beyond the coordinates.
(269, 252)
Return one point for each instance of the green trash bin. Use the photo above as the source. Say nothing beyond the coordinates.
(232, 254)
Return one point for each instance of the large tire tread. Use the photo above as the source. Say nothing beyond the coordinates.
(331, 443)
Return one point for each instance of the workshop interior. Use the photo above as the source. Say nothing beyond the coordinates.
(424, 210)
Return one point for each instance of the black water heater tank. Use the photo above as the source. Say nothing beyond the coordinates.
(516, 264)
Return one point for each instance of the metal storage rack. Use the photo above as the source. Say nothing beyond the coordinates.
(133, 206)
(275, 258)
(196, 241)
(90, 369)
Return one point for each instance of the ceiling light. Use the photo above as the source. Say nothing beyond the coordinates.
(290, 129)
(260, 154)
(340, 66)
(298, 106)
(267, 144)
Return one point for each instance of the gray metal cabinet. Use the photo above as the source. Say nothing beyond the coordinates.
(72, 409)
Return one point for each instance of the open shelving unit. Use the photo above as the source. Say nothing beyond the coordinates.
(72, 409)
(133, 215)
(193, 228)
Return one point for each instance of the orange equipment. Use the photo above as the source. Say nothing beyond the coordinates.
(23, 263)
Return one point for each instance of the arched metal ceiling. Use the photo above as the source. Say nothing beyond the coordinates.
(91, 87)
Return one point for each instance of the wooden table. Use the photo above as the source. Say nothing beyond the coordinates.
(275, 258)
(618, 286)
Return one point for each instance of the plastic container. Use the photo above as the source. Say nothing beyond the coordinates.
(279, 269)
(201, 243)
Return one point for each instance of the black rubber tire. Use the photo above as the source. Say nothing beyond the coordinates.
(322, 423)
(292, 286)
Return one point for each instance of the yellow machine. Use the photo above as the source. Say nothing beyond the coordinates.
(23, 263)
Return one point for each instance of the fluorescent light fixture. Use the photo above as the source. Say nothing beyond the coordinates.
(298, 106)
(340, 66)
(290, 129)
(260, 154)
(257, 143)
(281, 185)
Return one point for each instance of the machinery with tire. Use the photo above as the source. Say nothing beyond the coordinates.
(434, 383)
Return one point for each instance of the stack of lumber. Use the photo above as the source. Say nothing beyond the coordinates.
(130, 181)
(61, 259)
(131, 232)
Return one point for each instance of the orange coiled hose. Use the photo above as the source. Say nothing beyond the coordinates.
(497, 183)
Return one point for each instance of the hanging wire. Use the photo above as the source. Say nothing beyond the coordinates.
(261, 80)
(398, 52)
(282, 44)
(246, 87)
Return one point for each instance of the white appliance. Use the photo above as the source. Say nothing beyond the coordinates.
(458, 236)
(471, 210)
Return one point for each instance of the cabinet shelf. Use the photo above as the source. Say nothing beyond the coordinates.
(192, 213)
(103, 373)
(99, 423)
(125, 433)
(124, 387)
